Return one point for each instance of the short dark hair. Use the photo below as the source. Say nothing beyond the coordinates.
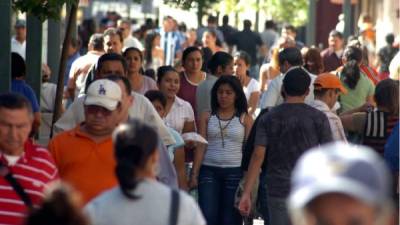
(162, 70)
(225, 19)
(240, 101)
(188, 51)
(134, 142)
(296, 82)
(387, 95)
(113, 31)
(15, 101)
(335, 33)
(219, 59)
(96, 40)
(212, 19)
(270, 24)
(246, 24)
(291, 55)
(111, 57)
(125, 81)
(389, 38)
(290, 27)
(18, 67)
(156, 95)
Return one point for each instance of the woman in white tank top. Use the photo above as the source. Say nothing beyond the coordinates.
(216, 168)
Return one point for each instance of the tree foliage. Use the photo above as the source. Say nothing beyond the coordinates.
(42, 9)
(290, 11)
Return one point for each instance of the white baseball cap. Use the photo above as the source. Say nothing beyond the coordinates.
(353, 170)
(104, 93)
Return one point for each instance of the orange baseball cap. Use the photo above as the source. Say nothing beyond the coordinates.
(328, 80)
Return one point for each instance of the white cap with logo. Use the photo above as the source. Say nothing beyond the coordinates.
(104, 93)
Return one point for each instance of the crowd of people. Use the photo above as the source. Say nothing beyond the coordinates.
(203, 126)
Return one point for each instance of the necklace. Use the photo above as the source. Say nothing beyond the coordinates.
(222, 130)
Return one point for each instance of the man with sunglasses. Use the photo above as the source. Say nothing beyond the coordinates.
(327, 88)
(84, 155)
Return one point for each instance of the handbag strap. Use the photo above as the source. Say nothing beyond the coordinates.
(7, 174)
(174, 208)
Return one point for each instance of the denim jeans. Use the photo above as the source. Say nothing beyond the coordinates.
(278, 212)
(262, 200)
(217, 187)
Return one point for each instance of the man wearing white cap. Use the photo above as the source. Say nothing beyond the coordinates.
(341, 184)
(84, 155)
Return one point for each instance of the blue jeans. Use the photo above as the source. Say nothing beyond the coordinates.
(262, 200)
(278, 212)
(217, 187)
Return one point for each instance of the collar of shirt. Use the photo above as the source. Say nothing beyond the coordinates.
(28, 148)
(320, 105)
(178, 101)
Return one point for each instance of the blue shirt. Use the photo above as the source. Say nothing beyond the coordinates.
(21, 87)
(391, 153)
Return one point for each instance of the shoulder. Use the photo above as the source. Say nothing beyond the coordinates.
(182, 102)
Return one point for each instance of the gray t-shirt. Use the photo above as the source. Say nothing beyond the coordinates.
(152, 207)
(287, 131)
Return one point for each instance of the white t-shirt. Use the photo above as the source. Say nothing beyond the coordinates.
(141, 109)
(252, 86)
(152, 208)
(47, 97)
(80, 69)
(17, 47)
(181, 111)
(273, 97)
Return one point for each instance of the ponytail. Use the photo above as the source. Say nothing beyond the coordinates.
(351, 74)
(134, 143)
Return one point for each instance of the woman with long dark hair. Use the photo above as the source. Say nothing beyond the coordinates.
(153, 53)
(216, 168)
(251, 87)
(140, 83)
(139, 194)
(360, 89)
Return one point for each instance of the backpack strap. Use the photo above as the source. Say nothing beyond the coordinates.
(8, 176)
(174, 208)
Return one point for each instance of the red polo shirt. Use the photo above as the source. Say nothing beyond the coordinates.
(33, 170)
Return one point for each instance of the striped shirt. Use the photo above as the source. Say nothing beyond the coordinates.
(33, 170)
(181, 111)
(224, 142)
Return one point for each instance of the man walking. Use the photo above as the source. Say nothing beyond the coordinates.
(25, 169)
(282, 135)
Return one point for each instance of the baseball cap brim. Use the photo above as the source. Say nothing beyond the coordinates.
(305, 195)
(109, 104)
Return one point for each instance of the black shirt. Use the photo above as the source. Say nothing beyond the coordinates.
(247, 41)
(287, 131)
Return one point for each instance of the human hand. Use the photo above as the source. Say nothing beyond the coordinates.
(245, 204)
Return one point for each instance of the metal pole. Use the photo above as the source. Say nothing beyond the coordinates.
(34, 53)
(5, 39)
(312, 14)
(54, 48)
(347, 18)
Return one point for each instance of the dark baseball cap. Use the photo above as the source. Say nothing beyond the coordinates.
(296, 81)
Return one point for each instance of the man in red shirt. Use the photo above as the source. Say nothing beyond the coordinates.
(23, 165)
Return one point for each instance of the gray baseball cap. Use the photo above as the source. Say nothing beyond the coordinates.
(356, 171)
(20, 23)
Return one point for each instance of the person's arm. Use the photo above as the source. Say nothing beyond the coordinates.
(263, 77)
(179, 163)
(253, 102)
(256, 161)
(248, 124)
(200, 150)
(354, 122)
(272, 94)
